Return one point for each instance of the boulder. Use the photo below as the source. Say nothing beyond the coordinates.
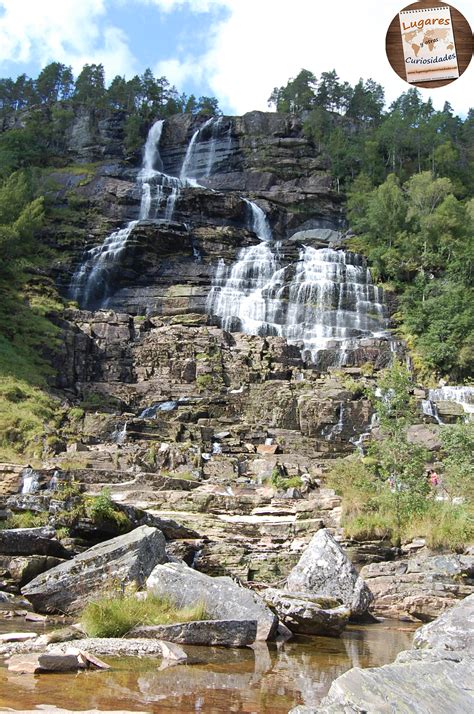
(31, 541)
(129, 558)
(23, 568)
(305, 614)
(418, 688)
(453, 630)
(325, 570)
(419, 588)
(223, 598)
(220, 633)
(432, 677)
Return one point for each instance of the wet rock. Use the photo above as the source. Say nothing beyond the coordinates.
(215, 633)
(308, 615)
(324, 570)
(419, 588)
(126, 559)
(222, 597)
(31, 541)
(435, 676)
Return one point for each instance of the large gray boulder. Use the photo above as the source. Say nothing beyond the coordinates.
(31, 541)
(435, 676)
(453, 630)
(223, 598)
(418, 688)
(126, 559)
(307, 614)
(326, 571)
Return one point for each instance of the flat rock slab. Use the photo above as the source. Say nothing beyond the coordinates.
(17, 636)
(219, 633)
(31, 541)
(306, 615)
(129, 558)
(419, 588)
(54, 660)
(223, 598)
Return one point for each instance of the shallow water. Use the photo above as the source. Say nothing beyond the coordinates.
(264, 680)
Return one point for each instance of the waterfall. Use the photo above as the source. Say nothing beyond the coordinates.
(30, 481)
(90, 282)
(201, 153)
(159, 192)
(119, 436)
(325, 301)
(259, 222)
(460, 395)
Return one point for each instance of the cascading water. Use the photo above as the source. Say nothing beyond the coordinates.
(159, 191)
(460, 395)
(325, 301)
(30, 481)
(89, 284)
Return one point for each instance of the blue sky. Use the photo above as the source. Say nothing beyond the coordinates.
(237, 50)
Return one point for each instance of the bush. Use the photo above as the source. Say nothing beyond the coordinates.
(115, 616)
(102, 509)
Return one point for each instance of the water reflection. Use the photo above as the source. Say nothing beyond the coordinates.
(264, 680)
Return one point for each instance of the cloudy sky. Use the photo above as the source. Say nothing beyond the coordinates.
(237, 50)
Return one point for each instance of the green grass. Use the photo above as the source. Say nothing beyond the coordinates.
(26, 519)
(369, 511)
(25, 332)
(115, 616)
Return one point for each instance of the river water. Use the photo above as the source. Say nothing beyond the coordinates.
(261, 680)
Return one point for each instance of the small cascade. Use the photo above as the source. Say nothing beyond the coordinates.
(337, 428)
(151, 412)
(460, 395)
(206, 146)
(30, 481)
(359, 443)
(259, 222)
(119, 436)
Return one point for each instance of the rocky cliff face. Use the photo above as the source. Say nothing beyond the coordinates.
(226, 433)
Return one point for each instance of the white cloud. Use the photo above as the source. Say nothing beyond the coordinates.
(262, 44)
(63, 30)
(178, 71)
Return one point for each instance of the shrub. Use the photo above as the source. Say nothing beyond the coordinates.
(115, 616)
(101, 509)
